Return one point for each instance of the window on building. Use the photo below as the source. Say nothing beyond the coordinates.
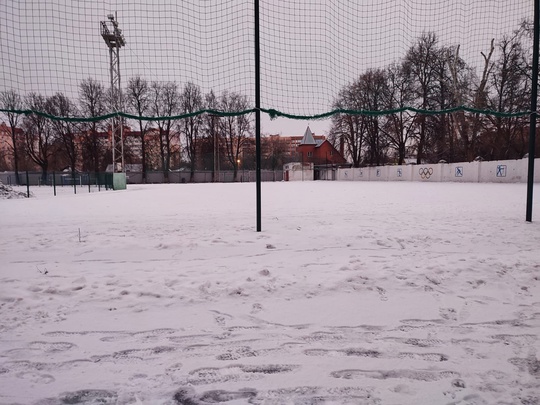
(331, 153)
(310, 154)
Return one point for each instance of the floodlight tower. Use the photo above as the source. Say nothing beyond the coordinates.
(115, 40)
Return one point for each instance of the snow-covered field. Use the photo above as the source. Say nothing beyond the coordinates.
(354, 293)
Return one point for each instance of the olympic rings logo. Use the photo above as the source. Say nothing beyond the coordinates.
(425, 172)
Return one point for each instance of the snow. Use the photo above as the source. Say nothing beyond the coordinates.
(7, 192)
(353, 293)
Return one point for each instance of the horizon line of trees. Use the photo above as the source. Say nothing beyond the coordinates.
(194, 143)
(434, 77)
(430, 77)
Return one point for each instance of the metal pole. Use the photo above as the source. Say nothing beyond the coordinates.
(114, 39)
(258, 113)
(54, 182)
(534, 114)
(114, 138)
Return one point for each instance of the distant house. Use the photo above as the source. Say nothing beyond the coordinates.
(318, 160)
(291, 142)
(317, 151)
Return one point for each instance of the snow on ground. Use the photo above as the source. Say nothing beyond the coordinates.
(7, 192)
(354, 293)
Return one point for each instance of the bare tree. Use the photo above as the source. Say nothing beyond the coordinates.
(467, 129)
(191, 102)
(441, 140)
(210, 129)
(349, 129)
(373, 93)
(61, 106)
(165, 103)
(361, 132)
(525, 35)
(234, 129)
(420, 66)
(139, 102)
(275, 152)
(93, 102)
(400, 126)
(154, 149)
(39, 135)
(511, 88)
(11, 100)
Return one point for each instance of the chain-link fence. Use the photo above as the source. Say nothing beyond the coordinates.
(77, 182)
(95, 182)
(204, 176)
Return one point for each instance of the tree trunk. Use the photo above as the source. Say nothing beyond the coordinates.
(192, 173)
(16, 163)
(44, 167)
(401, 153)
(421, 141)
(143, 152)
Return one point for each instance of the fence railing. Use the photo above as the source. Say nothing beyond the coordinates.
(60, 179)
(200, 176)
(90, 181)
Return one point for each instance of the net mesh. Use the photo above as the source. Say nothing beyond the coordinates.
(51, 46)
(310, 50)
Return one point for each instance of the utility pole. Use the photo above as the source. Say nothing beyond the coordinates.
(115, 40)
(258, 116)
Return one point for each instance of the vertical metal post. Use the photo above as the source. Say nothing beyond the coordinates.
(54, 182)
(114, 39)
(258, 113)
(534, 114)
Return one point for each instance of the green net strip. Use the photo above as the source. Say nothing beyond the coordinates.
(273, 114)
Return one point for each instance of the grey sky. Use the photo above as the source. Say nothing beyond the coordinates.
(309, 49)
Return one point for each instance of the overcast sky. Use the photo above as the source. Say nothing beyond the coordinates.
(309, 49)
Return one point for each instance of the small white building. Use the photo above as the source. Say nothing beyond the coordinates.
(296, 171)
